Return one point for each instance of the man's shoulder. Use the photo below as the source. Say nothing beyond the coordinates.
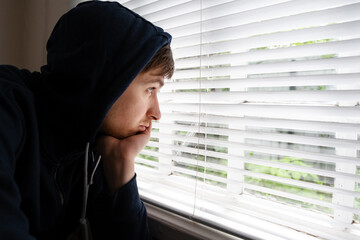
(13, 77)
(9, 73)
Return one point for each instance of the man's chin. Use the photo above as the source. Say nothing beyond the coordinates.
(120, 136)
(128, 134)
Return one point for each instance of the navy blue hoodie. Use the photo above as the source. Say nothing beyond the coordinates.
(48, 117)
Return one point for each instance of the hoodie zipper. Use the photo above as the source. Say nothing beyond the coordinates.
(61, 196)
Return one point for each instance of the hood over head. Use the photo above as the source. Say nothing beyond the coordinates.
(94, 52)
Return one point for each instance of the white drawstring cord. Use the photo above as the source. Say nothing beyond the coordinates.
(93, 173)
(83, 220)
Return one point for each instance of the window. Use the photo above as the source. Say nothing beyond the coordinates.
(260, 128)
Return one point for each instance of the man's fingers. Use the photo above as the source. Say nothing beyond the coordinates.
(119, 155)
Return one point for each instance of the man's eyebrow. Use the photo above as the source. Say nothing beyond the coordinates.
(156, 80)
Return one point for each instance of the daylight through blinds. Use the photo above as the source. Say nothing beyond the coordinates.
(260, 128)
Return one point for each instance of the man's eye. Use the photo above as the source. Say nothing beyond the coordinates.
(151, 90)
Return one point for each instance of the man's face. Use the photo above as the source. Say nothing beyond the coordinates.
(136, 107)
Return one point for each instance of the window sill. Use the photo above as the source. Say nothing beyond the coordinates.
(164, 224)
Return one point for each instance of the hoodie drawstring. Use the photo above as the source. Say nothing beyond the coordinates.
(87, 184)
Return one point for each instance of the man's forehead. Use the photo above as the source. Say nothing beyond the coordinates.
(153, 77)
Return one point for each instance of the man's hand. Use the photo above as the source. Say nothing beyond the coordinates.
(118, 157)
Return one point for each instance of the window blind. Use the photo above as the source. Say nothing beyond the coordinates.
(260, 127)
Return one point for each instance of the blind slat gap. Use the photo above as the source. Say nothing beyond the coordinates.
(261, 119)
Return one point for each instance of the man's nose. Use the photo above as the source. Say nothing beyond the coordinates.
(154, 110)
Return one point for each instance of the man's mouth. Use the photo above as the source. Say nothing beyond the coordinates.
(143, 127)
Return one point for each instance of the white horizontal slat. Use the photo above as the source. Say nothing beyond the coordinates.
(241, 215)
(290, 138)
(125, 1)
(157, 6)
(244, 12)
(326, 158)
(133, 4)
(198, 175)
(152, 153)
(312, 126)
(284, 215)
(275, 212)
(274, 192)
(331, 97)
(293, 182)
(245, 206)
(307, 113)
(185, 186)
(244, 203)
(350, 81)
(342, 48)
(345, 65)
(147, 162)
(315, 171)
(264, 22)
(160, 192)
(302, 184)
(184, 160)
(190, 12)
(191, 161)
(302, 199)
(185, 13)
(193, 151)
(335, 31)
(253, 148)
(211, 10)
(306, 20)
(249, 206)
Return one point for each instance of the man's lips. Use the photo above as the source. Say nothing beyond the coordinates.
(143, 127)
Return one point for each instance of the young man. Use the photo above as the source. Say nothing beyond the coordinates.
(96, 97)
